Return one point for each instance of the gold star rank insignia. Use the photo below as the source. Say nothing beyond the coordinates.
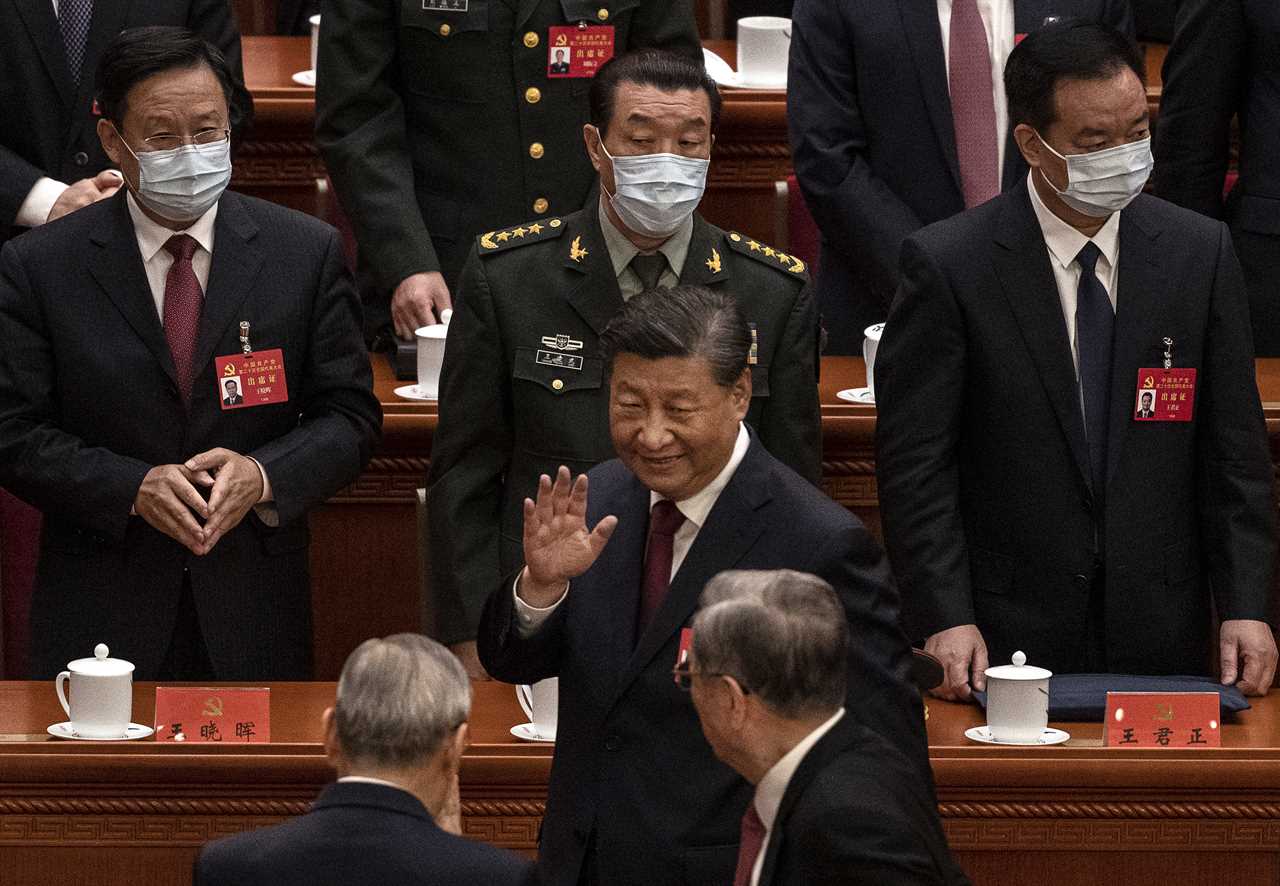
(518, 232)
(775, 258)
(713, 263)
(753, 245)
(576, 252)
(504, 237)
(535, 228)
(768, 250)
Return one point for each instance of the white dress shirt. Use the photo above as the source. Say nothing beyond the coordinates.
(772, 788)
(997, 19)
(696, 508)
(1064, 243)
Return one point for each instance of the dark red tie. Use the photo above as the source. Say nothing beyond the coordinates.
(183, 300)
(973, 106)
(749, 848)
(664, 519)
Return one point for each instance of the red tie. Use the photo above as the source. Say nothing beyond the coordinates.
(183, 300)
(749, 848)
(973, 106)
(664, 520)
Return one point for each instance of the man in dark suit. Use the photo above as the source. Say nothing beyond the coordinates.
(522, 389)
(1225, 63)
(51, 161)
(233, 396)
(395, 735)
(1021, 499)
(834, 801)
(175, 530)
(1145, 405)
(897, 119)
(636, 796)
(438, 121)
(560, 65)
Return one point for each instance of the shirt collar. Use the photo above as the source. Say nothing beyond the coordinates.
(697, 506)
(1064, 241)
(773, 786)
(621, 250)
(152, 236)
(364, 779)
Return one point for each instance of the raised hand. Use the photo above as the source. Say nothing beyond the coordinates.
(557, 544)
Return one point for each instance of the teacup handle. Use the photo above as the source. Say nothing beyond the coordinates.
(62, 696)
(524, 695)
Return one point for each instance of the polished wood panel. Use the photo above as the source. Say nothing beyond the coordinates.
(1065, 815)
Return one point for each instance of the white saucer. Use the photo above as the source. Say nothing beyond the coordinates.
(724, 74)
(526, 732)
(1048, 737)
(305, 78)
(857, 395)
(135, 730)
(412, 392)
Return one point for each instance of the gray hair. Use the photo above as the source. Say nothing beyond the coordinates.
(683, 321)
(399, 699)
(781, 634)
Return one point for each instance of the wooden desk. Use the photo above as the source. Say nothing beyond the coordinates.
(1074, 815)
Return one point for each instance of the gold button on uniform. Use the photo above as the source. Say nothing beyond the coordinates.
(445, 30)
(557, 384)
(541, 205)
(533, 95)
(603, 15)
(536, 151)
(531, 40)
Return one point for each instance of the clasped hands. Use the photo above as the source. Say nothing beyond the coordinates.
(558, 546)
(169, 501)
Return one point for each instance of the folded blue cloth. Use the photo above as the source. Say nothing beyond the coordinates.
(1083, 697)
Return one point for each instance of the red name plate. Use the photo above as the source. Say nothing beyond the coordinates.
(212, 715)
(1163, 720)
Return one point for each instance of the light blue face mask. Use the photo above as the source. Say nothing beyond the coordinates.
(1105, 181)
(182, 183)
(656, 192)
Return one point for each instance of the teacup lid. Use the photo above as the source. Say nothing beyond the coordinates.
(1019, 670)
(100, 665)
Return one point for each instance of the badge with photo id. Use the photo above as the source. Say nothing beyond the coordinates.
(578, 51)
(1165, 394)
(254, 379)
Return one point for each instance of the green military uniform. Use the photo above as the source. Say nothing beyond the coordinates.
(437, 120)
(523, 388)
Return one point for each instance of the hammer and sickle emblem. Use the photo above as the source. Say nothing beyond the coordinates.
(562, 40)
(228, 370)
(1148, 382)
(212, 707)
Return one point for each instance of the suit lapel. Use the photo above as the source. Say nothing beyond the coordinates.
(594, 294)
(1022, 264)
(1140, 288)
(704, 265)
(626, 568)
(120, 273)
(237, 258)
(920, 24)
(42, 24)
(732, 527)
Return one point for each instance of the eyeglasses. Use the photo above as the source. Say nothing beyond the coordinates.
(684, 675)
(203, 137)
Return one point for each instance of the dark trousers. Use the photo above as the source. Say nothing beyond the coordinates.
(187, 658)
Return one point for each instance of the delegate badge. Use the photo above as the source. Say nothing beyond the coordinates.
(574, 51)
(1165, 395)
(254, 379)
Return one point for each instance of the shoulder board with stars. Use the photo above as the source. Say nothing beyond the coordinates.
(766, 254)
(507, 238)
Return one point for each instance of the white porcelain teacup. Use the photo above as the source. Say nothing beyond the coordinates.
(101, 701)
(764, 44)
(541, 703)
(1017, 701)
(431, 344)
(315, 40)
(870, 345)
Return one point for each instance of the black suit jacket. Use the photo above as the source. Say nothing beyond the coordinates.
(89, 404)
(357, 833)
(50, 128)
(1224, 63)
(632, 771)
(982, 461)
(855, 813)
(873, 139)
(508, 413)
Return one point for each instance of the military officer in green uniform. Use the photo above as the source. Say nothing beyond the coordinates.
(442, 119)
(523, 389)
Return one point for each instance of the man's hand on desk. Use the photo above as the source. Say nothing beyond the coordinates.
(168, 501)
(557, 545)
(963, 654)
(1251, 642)
(85, 192)
(418, 301)
(236, 483)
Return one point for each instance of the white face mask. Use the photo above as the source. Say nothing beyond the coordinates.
(1105, 181)
(182, 183)
(656, 192)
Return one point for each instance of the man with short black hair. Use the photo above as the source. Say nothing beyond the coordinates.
(834, 801)
(176, 528)
(609, 585)
(395, 735)
(1021, 496)
(522, 389)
